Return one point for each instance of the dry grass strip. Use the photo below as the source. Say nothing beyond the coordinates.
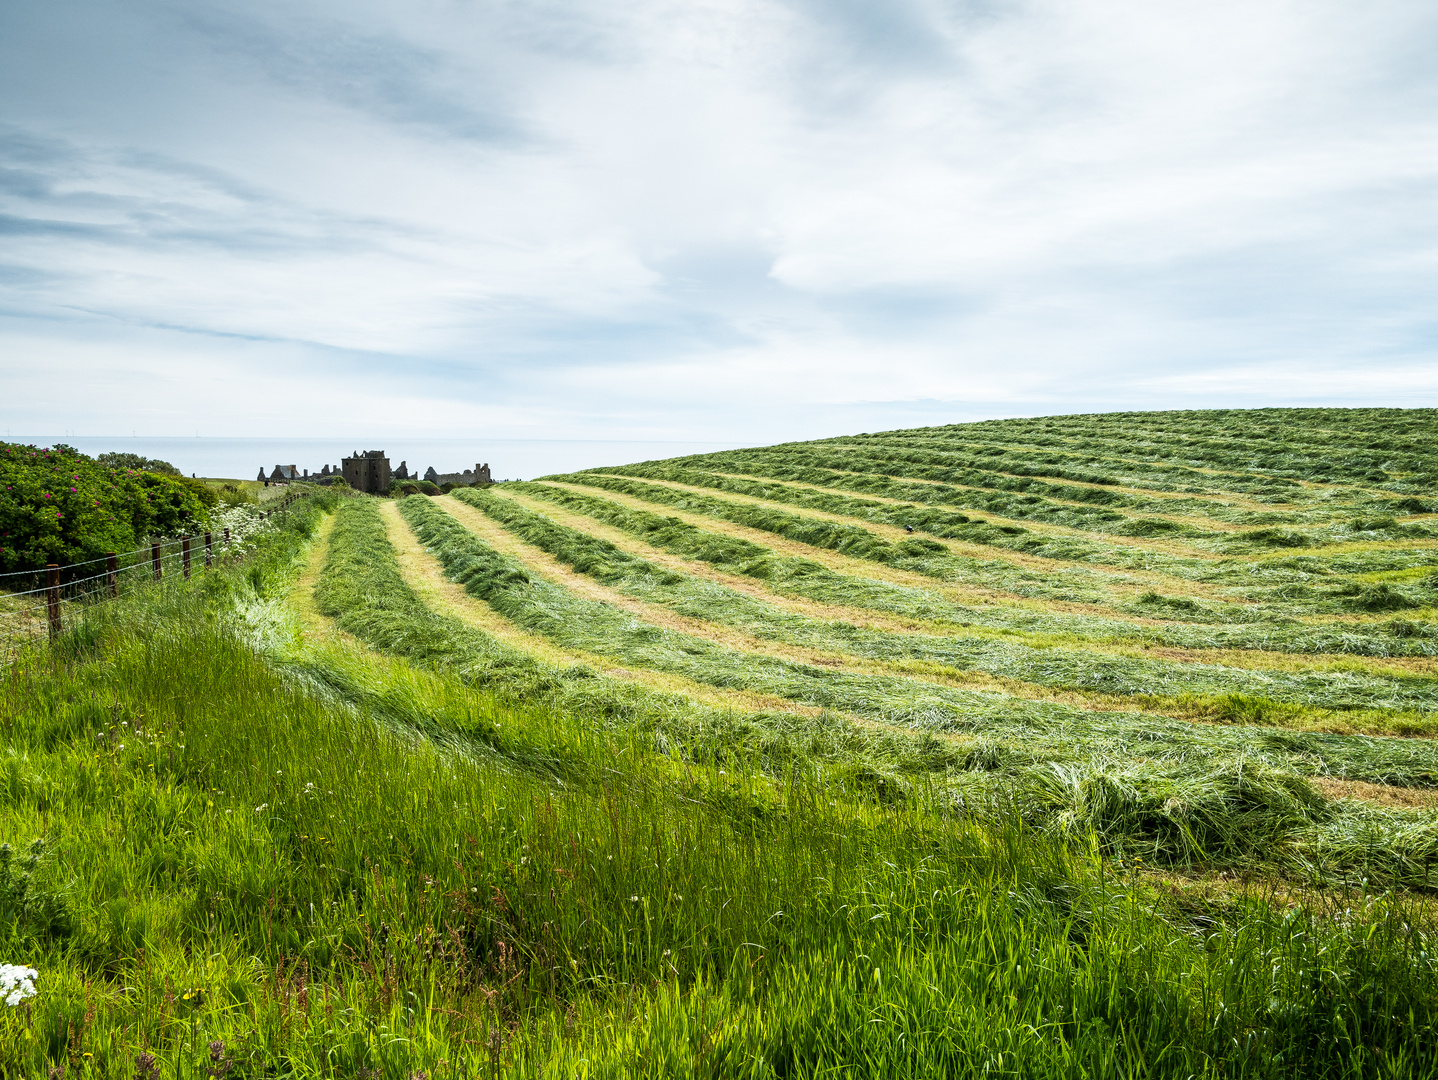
(316, 628)
(1378, 794)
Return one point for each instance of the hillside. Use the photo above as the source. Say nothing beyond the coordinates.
(1176, 628)
(1074, 746)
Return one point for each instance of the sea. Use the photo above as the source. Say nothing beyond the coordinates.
(508, 459)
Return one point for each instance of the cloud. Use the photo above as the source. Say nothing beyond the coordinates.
(717, 217)
(381, 75)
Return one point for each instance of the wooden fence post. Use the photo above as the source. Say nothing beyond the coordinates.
(52, 597)
(185, 555)
(155, 561)
(227, 536)
(112, 573)
(209, 554)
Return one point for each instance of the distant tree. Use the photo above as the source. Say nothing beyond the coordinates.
(121, 459)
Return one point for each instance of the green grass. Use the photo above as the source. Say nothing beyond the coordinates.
(1189, 791)
(1236, 581)
(917, 555)
(362, 586)
(238, 853)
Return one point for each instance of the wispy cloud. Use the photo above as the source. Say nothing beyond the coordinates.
(728, 219)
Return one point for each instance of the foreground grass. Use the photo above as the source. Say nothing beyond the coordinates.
(378, 871)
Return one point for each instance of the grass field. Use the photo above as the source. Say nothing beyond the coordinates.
(1080, 746)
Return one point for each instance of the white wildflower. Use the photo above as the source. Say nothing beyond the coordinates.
(244, 523)
(17, 983)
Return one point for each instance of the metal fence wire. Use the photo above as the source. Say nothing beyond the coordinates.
(59, 594)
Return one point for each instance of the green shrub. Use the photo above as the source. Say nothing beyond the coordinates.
(58, 505)
(137, 463)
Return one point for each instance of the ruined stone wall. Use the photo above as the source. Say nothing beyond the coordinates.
(478, 475)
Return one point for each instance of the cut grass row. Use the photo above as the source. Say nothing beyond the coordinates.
(427, 578)
(362, 589)
(919, 505)
(1314, 445)
(564, 617)
(1337, 596)
(1324, 520)
(627, 507)
(1392, 702)
(942, 481)
(564, 506)
(1053, 581)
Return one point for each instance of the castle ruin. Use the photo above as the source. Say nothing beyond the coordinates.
(478, 475)
(370, 472)
(367, 472)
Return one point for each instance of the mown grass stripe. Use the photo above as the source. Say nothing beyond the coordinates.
(1091, 679)
(1259, 630)
(363, 589)
(656, 538)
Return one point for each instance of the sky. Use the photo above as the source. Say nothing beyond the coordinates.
(732, 220)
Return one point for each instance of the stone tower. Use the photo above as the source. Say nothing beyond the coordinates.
(367, 472)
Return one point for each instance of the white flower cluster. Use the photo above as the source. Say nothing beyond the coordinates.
(17, 983)
(243, 522)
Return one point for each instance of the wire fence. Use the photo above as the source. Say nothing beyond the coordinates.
(49, 600)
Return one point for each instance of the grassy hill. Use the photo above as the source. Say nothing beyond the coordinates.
(1094, 745)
